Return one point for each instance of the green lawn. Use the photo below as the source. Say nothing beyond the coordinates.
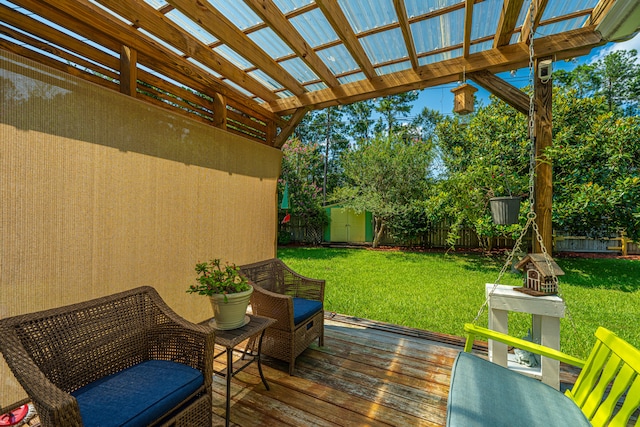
(440, 292)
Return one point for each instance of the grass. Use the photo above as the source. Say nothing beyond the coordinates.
(440, 292)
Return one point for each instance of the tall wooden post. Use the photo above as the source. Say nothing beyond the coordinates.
(543, 181)
(128, 70)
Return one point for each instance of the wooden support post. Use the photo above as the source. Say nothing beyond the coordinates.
(128, 71)
(219, 111)
(543, 180)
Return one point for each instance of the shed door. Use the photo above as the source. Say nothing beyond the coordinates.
(347, 226)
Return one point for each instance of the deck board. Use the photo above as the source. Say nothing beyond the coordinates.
(367, 374)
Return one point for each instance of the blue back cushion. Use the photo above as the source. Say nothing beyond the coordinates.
(304, 309)
(485, 394)
(138, 395)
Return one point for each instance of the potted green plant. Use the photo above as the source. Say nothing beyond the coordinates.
(229, 292)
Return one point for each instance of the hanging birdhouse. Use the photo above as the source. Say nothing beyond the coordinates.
(538, 278)
(463, 98)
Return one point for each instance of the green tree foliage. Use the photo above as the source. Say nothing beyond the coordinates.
(387, 177)
(305, 194)
(392, 109)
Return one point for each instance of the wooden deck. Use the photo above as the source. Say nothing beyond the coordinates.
(367, 374)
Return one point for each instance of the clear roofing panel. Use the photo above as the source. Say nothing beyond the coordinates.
(393, 68)
(156, 4)
(363, 16)
(233, 57)
(299, 70)
(285, 94)
(316, 86)
(204, 67)
(181, 20)
(442, 56)
(486, 16)
(338, 59)
(480, 47)
(421, 7)
(265, 80)
(556, 8)
(287, 6)
(438, 32)
(558, 27)
(385, 46)
(351, 78)
(314, 28)
(237, 12)
(271, 43)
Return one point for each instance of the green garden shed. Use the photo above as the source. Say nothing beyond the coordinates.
(348, 226)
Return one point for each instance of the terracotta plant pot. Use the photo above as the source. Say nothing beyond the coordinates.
(230, 314)
(505, 210)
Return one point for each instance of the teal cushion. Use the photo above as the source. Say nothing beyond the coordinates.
(138, 395)
(304, 309)
(485, 394)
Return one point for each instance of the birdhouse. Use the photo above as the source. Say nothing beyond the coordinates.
(538, 278)
(463, 99)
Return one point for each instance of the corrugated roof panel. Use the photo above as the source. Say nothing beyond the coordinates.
(480, 47)
(421, 7)
(338, 59)
(156, 4)
(385, 46)
(285, 94)
(237, 12)
(314, 28)
(559, 27)
(287, 6)
(393, 68)
(271, 43)
(363, 17)
(316, 86)
(352, 78)
(440, 57)
(486, 16)
(265, 80)
(556, 8)
(191, 27)
(239, 88)
(299, 70)
(232, 56)
(439, 32)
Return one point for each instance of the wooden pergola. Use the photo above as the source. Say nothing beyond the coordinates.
(256, 67)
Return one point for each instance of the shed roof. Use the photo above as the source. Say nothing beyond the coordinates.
(539, 261)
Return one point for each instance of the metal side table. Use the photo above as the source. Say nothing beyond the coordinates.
(230, 339)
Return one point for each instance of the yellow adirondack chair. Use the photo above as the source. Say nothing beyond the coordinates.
(607, 390)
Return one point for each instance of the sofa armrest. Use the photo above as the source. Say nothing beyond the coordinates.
(473, 330)
(54, 406)
(273, 305)
(300, 286)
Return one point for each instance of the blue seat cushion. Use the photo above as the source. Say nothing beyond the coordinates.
(485, 394)
(304, 308)
(137, 395)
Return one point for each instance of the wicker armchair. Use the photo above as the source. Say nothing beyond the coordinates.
(55, 353)
(296, 302)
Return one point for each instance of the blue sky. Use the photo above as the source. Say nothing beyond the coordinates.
(440, 98)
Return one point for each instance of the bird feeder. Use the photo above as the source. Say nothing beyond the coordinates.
(463, 98)
(538, 277)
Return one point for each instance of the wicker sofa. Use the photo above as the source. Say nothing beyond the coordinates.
(295, 301)
(126, 359)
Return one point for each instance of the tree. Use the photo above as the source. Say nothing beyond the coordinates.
(386, 176)
(391, 108)
(359, 120)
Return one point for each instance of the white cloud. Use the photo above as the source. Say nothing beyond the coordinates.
(634, 43)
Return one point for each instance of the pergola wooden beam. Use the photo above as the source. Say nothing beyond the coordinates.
(205, 15)
(287, 130)
(468, 25)
(567, 45)
(340, 24)
(507, 23)
(401, 11)
(276, 20)
(503, 90)
(539, 7)
(128, 68)
(153, 21)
